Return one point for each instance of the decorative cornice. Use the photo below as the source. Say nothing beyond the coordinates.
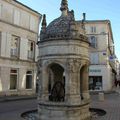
(65, 37)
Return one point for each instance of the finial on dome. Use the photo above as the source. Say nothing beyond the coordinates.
(64, 7)
(43, 27)
(44, 24)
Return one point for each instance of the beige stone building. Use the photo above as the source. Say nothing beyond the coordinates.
(102, 69)
(19, 27)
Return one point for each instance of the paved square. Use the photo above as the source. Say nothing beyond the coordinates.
(111, 105)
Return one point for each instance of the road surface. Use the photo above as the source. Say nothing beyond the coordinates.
(12, 110)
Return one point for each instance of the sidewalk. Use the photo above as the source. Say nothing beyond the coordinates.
(111, 104)
(14, 98)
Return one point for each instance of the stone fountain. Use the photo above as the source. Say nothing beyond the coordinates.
(63, 69)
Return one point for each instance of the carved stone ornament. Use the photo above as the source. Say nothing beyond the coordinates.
(39, 67)
(73, 65)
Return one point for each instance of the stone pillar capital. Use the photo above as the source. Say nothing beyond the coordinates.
(73, 65)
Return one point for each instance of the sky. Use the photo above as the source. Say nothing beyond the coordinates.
(94, 9)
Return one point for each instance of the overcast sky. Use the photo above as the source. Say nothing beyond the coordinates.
(94, 9)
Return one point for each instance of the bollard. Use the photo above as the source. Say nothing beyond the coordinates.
(101, 96)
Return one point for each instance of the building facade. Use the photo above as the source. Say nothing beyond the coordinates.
(19, 27)
(102, 69)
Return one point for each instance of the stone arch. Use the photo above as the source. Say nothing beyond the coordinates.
(56, 79)
(84, 81)
(49, 62)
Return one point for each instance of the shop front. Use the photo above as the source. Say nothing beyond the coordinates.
(96, 78)
(95, 83)
(100, 78)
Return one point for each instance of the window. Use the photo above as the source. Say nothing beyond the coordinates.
(31, 49)
(29, 80)
(13, 78)
(94, 58)
(15, 46)
(93, 29)
(95, 83)
(93, 41)
(16, 17)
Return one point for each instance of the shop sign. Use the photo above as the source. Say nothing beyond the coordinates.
(94, 70)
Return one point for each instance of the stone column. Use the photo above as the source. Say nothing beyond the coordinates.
(43, 81)
(85, 84)
(72, 87)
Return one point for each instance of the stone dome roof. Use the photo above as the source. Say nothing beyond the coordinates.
(59, 26)
(64, 27)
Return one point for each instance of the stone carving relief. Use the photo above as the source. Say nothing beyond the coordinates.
(73, 65)
(39, 82)
(39, 67)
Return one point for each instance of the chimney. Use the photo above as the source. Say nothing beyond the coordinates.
(84, 16)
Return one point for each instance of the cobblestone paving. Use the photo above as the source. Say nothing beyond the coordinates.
(111, 105)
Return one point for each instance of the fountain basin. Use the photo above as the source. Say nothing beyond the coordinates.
(32, 115)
